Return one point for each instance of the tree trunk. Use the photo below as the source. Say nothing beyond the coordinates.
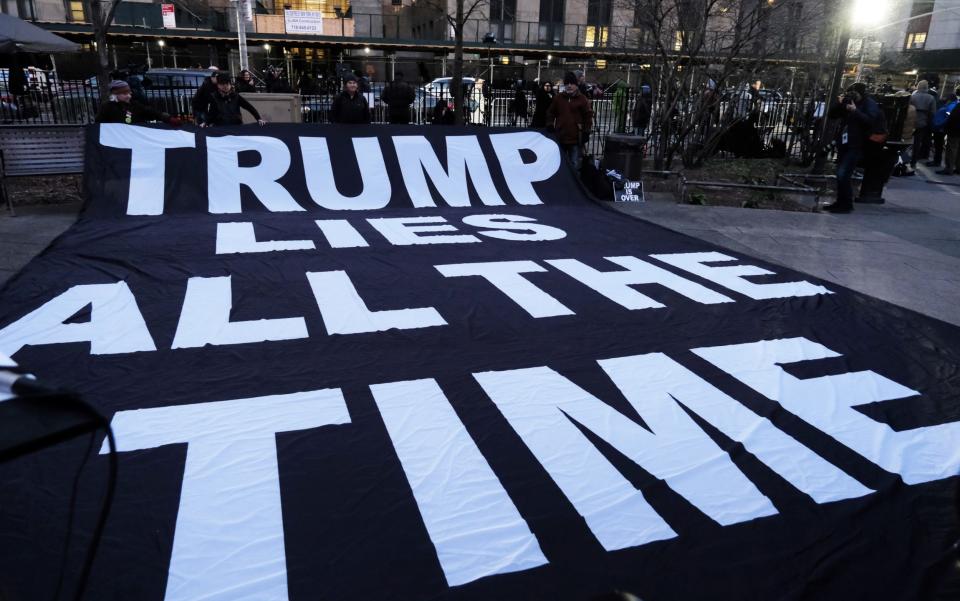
(97, 21)
(456, 82)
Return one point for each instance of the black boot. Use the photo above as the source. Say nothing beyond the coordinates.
(837, 207)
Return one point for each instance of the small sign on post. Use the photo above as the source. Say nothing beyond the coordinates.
(169, 16)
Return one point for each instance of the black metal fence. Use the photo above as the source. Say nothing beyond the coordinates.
(785, 126)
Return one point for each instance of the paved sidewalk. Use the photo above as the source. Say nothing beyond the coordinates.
(26, 235)
(906, 251)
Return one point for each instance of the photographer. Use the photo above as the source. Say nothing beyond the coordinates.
(861, 130)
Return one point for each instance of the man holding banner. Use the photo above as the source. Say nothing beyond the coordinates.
(571, 117)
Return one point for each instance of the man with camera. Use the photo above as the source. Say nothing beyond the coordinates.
(863, 130)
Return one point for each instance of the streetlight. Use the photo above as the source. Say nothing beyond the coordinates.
(266, 47)
(869, 13)
(163, 60)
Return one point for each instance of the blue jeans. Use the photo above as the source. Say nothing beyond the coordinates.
(572, 152)
(845, 168)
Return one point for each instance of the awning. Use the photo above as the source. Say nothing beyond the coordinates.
(16, 35)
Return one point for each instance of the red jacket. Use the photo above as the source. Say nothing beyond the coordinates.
(570, 115)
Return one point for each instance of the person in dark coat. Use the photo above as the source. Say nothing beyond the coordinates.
(350, 106)
(543, 96)
(571, 117)
(861, 118)
(642, 109)
(518, 107)
(202, 98)
(398, 96)
(245, 82)
(308, 85)
(223, 106)
(121, 108)
(443, 113)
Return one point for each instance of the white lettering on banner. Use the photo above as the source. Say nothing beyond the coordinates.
(829, 403)
(344, 312)
(207, 303)
(230, 503)
(402, 231)
(148, 157)
(732, 276)
(464, 155)
(239, 237)
(655, 376)
(205, 319)
(225, 176)
(542, 407)
(115, 326)
(505, 275)
(616, 285)
(519, 175)
(419, 163)
(340, 234)
(228, 540)
(514, 227)
(318, 170)
(475, 527)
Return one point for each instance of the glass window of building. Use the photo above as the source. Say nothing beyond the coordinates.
(502, 15)
(599, 13)
(551, 22)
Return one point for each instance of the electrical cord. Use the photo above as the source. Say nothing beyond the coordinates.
(70, 516)
(107, 501)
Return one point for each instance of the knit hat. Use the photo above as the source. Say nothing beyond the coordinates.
(223, 77)
(569, 78)
(118, 85)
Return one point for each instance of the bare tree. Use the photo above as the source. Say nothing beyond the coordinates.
(101, 13)
(697, 50)
(463, 12)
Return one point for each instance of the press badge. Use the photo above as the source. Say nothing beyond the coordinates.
(844, 138)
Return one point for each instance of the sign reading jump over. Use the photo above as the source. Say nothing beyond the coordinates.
(415, 363)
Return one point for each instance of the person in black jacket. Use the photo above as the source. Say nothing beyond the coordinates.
(121, 108)
(398, 96)
(202, 98)
(350, 106)
(223, 106)
(518, 106)
(543, 96)
(245, 82)
(862, 118)
(951, 128)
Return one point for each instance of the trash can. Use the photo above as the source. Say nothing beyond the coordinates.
(625, 154)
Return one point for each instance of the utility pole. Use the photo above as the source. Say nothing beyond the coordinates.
(843, 43)
(242, 32)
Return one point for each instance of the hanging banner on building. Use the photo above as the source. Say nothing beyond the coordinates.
(303, 21)
(169, 16)
(367, 362)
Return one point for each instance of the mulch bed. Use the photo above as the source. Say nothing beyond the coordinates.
(44, 190)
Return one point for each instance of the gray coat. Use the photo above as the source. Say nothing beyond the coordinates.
(926, 106)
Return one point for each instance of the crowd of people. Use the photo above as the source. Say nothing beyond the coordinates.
(218, 102)
(932, 124)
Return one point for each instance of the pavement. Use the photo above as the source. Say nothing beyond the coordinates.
(906, 251)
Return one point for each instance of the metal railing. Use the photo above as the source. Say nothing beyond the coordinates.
(782, 126)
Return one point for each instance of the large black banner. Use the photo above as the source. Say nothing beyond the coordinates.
(417, 363)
